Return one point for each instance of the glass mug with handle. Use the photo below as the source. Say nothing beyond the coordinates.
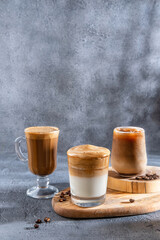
(42, 144)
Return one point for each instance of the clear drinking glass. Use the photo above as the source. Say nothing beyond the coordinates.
(129, 150)
(88, 174)
(42, 158)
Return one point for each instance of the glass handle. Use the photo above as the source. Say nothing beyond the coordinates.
(18, 149)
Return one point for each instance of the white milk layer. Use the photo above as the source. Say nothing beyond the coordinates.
(88, 187)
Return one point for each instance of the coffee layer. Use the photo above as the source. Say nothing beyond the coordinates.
(88, 160)
(87, 172)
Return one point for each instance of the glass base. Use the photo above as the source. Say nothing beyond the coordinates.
(42, 193)
(88, 202)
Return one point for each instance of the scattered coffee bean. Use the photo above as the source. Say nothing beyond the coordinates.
(38, 221)
(63, 195)
(148, 177)
(47, 219)
(138, 178)
(36, 226)
(155, 176)
(67, 193)
(131, 200)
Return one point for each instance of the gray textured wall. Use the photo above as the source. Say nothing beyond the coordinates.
(85, 66)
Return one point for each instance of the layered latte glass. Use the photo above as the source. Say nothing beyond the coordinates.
(88, 173)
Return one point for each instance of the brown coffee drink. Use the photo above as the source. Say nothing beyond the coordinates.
(129, 150)
(42, 149)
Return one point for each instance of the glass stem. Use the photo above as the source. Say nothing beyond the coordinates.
(42, 182)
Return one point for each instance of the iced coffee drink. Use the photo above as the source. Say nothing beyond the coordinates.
(129, 150)
(88, 173)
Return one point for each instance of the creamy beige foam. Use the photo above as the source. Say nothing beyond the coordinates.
(41, 132)
(129, 130)
(88, 151)
(88, 160)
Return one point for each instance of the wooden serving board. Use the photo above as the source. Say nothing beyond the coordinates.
(116, 204)
(130, 185)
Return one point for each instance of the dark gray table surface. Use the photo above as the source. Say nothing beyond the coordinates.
(18, 212)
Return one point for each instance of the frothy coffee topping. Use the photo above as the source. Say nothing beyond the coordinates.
(41, 132)
(88, 160)
(88, 151)
(129, 129)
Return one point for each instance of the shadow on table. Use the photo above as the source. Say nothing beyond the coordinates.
(15, 205)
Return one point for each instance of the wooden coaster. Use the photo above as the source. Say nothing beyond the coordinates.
(131, 185)
(116, 204)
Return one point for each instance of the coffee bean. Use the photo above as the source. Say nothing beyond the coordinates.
(131, 200)
(47, 219)
(147, 178)
(38, 221)
(67, 193)
(155, 176)
(36, 226)
(138, 178)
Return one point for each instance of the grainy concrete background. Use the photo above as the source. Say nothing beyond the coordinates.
(82, 65)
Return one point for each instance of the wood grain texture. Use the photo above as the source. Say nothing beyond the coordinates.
(116, 204)
(130, 185)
